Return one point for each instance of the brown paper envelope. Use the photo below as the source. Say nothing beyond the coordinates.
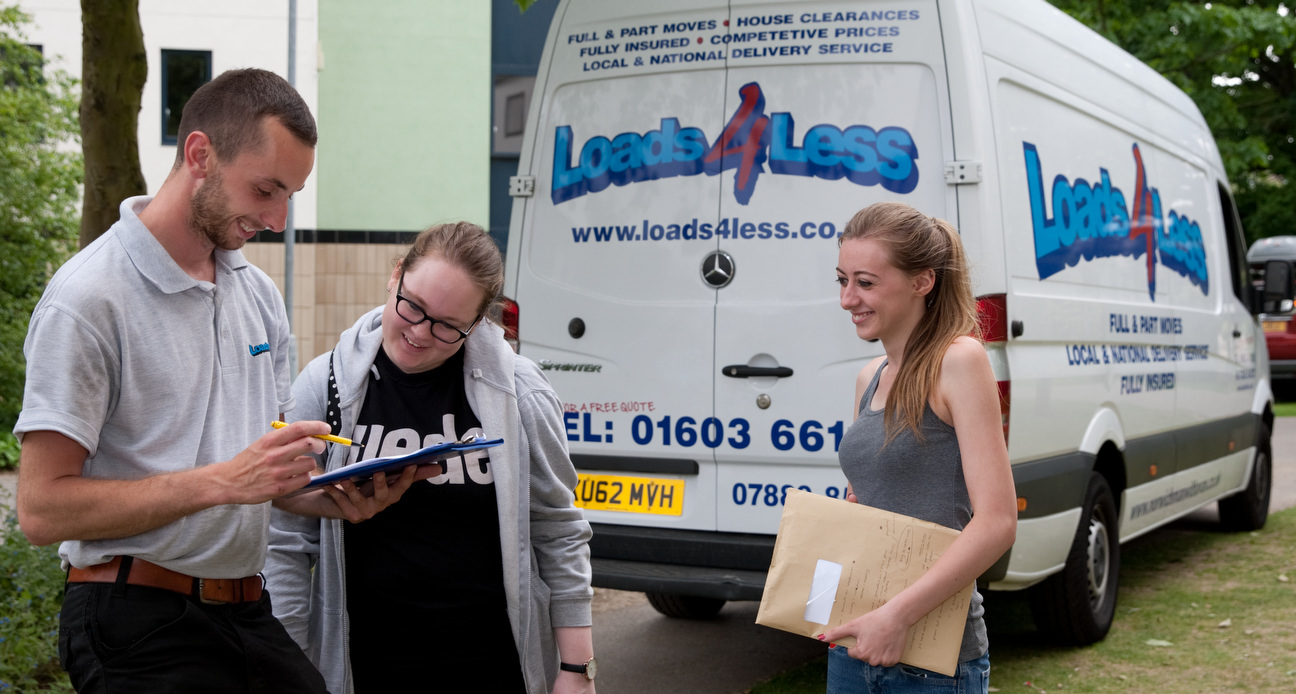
(879, 553)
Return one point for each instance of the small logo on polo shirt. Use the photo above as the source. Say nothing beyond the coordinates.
(259, 349)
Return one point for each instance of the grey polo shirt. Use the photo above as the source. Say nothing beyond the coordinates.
(153, 371)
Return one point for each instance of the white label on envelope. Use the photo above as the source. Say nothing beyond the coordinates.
(823, 591)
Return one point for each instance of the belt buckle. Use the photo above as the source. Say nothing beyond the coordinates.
(202, 592)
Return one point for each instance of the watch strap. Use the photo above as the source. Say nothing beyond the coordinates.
(588, 668)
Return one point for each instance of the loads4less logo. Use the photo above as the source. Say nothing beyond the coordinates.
(1092, 220)
(750, 141)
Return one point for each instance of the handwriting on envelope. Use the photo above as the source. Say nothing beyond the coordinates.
(835, 560)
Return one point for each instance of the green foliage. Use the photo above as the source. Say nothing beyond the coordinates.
(31, 593)
(40, 169)
(1235, 59)
(8, 450)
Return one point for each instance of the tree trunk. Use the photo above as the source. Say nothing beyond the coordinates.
(114, 67)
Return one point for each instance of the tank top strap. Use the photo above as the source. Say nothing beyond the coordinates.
(872, 388)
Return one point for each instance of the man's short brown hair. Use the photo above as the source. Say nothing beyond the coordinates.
(229, 110)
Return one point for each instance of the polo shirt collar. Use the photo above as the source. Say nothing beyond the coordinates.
(152, 260)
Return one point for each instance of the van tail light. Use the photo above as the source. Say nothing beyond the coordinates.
(992, 317)
(509, 321)
(1005, 404)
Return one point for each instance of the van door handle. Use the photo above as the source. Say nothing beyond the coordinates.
(1237, 333)
(744, 371)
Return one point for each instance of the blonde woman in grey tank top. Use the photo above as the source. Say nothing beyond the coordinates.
(927, 440)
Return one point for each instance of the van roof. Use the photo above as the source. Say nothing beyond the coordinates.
(1272, 247)
(1017, 32)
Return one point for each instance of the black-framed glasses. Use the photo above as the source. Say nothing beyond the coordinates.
(414, 314)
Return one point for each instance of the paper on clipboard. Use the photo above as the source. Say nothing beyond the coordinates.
(835, 560)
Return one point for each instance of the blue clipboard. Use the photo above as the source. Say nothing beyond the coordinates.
(364, 470)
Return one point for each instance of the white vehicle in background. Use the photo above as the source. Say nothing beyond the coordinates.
(687, 168)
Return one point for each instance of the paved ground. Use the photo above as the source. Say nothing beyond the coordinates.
(8, 487)
(1284, 454)
(641, 652)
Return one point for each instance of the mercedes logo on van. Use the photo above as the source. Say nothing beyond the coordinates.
(718, 269)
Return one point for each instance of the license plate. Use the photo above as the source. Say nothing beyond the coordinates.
(1275, 326)
(663, 497)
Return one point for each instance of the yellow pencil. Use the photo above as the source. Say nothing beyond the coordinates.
(327, 437)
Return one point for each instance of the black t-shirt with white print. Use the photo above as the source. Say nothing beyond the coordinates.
(424, 578)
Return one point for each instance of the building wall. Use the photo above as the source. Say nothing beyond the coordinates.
(404, 113)
(517, 43)
(239, 33)
(336, 283)
(401, 93)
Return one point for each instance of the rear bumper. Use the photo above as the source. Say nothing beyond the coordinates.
(645, 577)
(728, 566)
(702, 563)
(1282, 368)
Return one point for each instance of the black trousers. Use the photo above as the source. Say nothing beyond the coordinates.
(133, 639)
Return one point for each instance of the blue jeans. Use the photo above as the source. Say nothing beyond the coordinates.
(847, 675)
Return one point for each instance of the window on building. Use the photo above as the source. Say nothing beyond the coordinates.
(514, 115)
(512, 98)
(183, 72)
(24, 62)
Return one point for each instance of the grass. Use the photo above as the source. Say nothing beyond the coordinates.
(1284, 409)
(1198, 611)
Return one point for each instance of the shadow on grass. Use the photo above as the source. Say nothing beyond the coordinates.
(1143, 560)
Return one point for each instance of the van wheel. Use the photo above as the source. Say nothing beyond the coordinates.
(1249, 508)
(1076, 605)
(685, 606)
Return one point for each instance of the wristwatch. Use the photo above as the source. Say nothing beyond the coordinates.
(589, 668)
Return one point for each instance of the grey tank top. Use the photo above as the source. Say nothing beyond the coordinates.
(919, 479)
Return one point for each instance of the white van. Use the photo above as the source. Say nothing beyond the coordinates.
(687, 168)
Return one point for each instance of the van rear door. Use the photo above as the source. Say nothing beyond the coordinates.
(694, 166)
(856, 111)
(608, 256)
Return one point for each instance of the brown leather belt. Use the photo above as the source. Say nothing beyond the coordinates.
(142, 573)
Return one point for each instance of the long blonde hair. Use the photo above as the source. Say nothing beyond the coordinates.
(918, 243)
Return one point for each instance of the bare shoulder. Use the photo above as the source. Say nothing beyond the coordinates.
(964, 353)
(966, 379)
(866, 373)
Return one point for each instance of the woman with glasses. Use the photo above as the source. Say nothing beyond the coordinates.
(476, 578)
(927, 440)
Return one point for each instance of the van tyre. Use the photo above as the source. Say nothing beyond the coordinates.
(685, 606)
(1076, 605)
(1249, 508)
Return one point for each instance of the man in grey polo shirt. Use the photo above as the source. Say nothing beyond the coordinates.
(155, 357)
